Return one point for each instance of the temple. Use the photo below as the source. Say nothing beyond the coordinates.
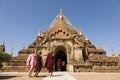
(2, 47)
(69, 45)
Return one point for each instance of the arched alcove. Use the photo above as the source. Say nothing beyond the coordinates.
(60, 53)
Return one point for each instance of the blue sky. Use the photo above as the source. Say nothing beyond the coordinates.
(21, 20)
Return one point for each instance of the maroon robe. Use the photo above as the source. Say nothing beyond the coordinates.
(49, 62)
(59, 63)
(38, 65)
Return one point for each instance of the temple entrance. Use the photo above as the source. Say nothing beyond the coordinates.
(60, 61)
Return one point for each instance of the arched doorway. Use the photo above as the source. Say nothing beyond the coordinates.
(61, 55)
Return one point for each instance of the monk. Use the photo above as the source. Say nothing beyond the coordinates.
(31, 62)
(49, 63)
(59, 63)
(38, 65)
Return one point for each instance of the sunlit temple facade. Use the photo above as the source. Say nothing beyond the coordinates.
(69, 45)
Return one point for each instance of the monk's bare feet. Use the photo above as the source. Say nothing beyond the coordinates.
(29, 75)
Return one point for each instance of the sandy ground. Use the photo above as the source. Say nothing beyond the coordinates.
(20, 76)
(76, 76)
(96, 76)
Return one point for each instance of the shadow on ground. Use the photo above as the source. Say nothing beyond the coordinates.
(6, 77)
(56, 75)
(51, 76)
(42, 76)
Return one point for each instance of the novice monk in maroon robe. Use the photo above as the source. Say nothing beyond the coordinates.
(50, 62)
(59, 63)
(38, 65)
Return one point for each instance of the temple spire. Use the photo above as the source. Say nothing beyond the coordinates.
(61, 14)
(86, 38)
(40, 33)
(113, 53)
(80, 31)
(100, 47)
(23, 46)
(11, 52)
(3, 42)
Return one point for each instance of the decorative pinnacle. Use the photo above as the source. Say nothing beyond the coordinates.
(113, 53)
(23, 46)
(3, 42)
(61, 14)
(86, 37)
(100, 47)
(11, 52)
(40, 33)
(80, 31)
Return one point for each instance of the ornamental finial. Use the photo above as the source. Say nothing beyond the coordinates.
(61, 14)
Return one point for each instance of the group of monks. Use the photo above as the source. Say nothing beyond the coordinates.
(34, 63)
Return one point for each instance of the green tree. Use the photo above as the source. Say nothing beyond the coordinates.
(4, 57)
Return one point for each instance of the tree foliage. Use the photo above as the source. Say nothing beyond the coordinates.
(4, 57)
